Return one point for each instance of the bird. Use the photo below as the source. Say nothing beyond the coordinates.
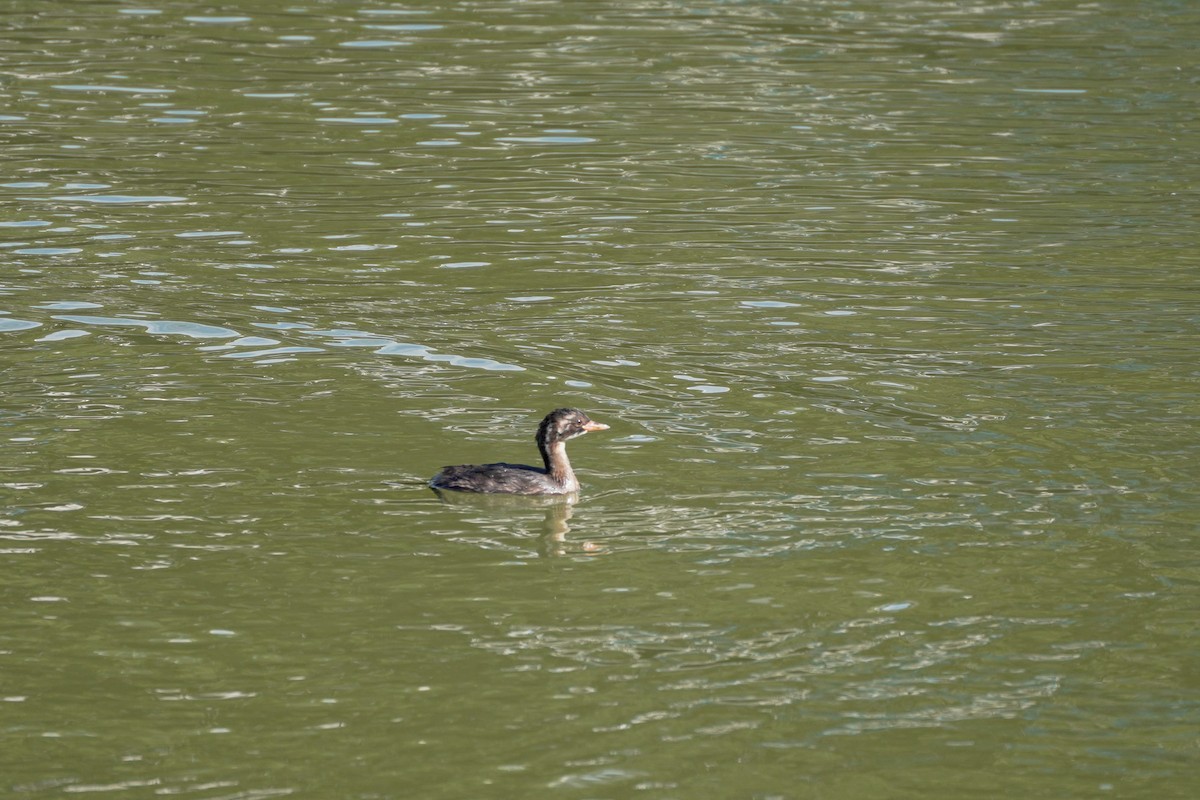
(556, 477)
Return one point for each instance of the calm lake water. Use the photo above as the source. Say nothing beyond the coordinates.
(892, 308)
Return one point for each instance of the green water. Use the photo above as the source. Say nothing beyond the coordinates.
(891, 307)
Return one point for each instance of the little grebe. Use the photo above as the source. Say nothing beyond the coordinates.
(557, 477)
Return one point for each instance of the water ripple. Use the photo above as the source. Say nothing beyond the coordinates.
(193, 330)
(120, 199)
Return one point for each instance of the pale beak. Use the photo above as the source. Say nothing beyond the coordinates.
(594, 426)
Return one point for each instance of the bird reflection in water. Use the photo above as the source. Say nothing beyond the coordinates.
(555, 523)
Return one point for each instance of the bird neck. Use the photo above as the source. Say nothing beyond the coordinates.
(558, 466)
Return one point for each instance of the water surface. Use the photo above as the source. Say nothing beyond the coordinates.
(891, 308)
